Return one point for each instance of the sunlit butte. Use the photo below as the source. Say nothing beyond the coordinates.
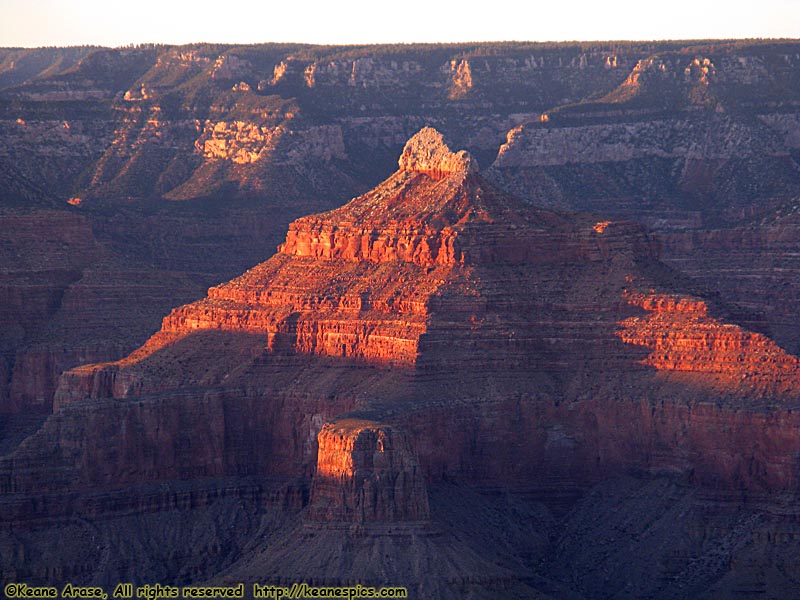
(601, 226)
(31, 23)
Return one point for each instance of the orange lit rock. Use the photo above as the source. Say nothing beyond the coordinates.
(462, 78)
(244, 143)
(363, 281)
(683, 337)
(366, 473)
(601, 226)
(471, 336)
(427, 152)
(229, 66)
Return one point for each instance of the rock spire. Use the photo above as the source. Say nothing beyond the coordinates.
(427, 152)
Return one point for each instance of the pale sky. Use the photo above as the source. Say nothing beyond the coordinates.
(117, 23)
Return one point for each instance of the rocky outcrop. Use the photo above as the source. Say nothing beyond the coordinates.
(683, 337)
(513, 310)
(239, 142)
(706, 138)
(427, 152)
(230, 66)
(366, 473)
(462, 79)
(701, 170)
(669, 147)
(244, 143)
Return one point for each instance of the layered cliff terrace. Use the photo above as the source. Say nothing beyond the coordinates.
(363, 281)
(436, 268)
(683, 336)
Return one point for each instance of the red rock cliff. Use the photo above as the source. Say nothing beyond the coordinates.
(502, 338)
(366, 473)
(683, 337)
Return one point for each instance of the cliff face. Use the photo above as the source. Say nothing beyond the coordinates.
(265, 134)
(44, 253)
(683, 337)
(434, 291)
(751, 264)
(366, 473)
(707, 137)
(435, 331)
(697, 169)
(175, 122)
(688, 140)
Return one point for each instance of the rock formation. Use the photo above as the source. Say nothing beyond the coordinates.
(159, 123)
(366, 473)
(683, 337)
(433, 330)
(427, 153)
(436, 365)
(431, 255)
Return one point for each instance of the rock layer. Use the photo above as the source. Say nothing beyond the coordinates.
(683, 337)
(366, 473)
(433, 330)
(474, 300)
(292, 128)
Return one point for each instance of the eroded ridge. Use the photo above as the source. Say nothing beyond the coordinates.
(683, 336)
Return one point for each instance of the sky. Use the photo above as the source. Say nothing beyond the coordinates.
(32, 23)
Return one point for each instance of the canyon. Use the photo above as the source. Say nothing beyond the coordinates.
(561, 362)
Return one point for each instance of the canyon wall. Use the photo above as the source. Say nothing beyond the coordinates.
(435, 331)
(242, 140)
(572, 325)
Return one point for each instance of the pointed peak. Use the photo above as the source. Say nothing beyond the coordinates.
(427, 152)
